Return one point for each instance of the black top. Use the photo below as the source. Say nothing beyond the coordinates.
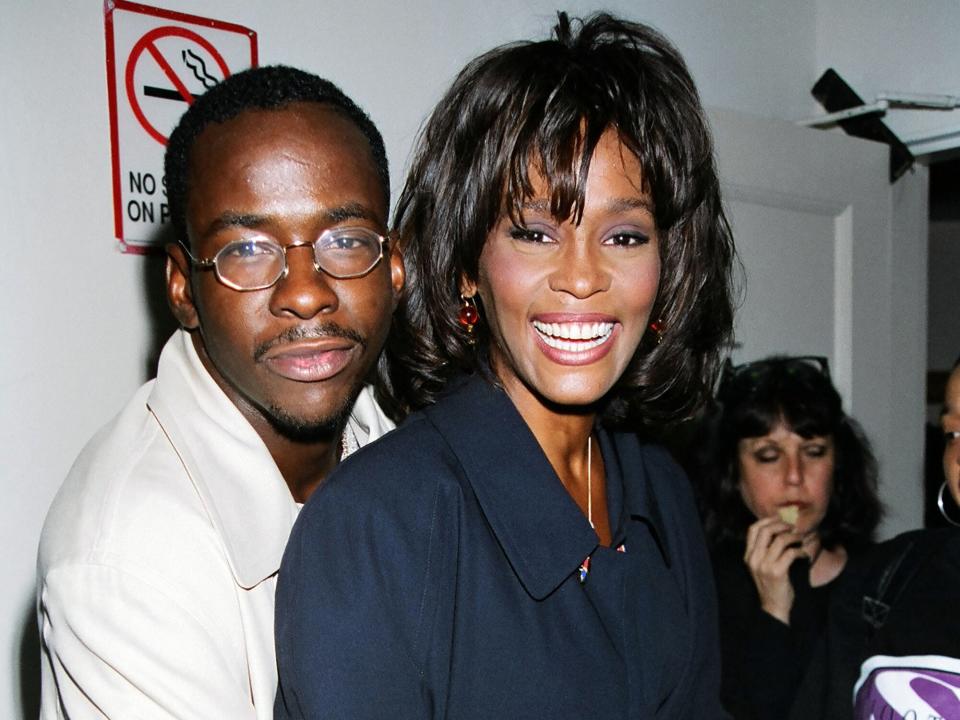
(892, 643)
(764, 659)
(435, 575)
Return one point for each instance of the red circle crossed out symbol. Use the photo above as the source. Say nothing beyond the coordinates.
(148, 43)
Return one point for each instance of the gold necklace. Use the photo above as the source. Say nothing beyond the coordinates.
(590, 480)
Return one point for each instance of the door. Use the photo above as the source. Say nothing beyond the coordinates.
(834, 264)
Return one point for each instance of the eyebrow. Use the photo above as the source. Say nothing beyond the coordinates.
(617, 205)
(624, 204)
(338, 214)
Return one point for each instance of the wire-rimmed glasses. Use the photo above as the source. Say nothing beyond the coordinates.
(257, 262)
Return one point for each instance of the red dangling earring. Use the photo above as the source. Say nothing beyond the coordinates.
(657, 326)
(468, 316)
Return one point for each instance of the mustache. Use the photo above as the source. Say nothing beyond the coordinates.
(303, 332)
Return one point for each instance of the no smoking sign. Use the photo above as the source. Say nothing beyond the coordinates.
(158, 62)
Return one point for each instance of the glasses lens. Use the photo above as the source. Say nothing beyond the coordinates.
(348, 252)
(250, 264)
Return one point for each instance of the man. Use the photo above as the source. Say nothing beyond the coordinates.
(159, 556)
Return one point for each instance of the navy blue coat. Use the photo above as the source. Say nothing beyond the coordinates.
(435, 575)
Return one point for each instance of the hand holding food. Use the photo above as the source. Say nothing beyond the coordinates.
(772, 546)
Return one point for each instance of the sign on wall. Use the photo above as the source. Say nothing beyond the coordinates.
(158, 61)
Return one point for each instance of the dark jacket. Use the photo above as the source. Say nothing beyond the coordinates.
(435, 575)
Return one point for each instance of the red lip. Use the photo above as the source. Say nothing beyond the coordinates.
(575, 358)
(310, 360)
(571, 317)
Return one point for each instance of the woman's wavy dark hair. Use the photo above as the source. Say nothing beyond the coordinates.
(754, 398)
(546, 104)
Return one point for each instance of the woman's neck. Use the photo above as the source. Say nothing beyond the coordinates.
(565, 436)
(827, 565)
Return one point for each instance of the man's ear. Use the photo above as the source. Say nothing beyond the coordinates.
(179, 292)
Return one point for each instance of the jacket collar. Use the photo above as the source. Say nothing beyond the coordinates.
(242, 490)
(643, 464)
(540, 528)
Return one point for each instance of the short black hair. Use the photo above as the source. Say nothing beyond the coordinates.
(750, 403)
(271, 87)
(547, 104)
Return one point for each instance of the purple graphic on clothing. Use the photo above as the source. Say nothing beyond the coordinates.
(908, 688)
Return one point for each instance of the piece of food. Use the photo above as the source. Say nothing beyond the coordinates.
(789, 513)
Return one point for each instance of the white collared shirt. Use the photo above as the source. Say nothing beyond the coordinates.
(159, 557)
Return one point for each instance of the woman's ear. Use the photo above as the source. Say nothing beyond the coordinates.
(468, 287)
(397, 272)
(179, 292)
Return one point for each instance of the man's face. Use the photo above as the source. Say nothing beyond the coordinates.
(293, 355)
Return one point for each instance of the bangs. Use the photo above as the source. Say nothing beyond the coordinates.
(806, 415)
(547, 114)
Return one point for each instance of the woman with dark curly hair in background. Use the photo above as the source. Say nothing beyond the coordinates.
(788, 490)
(513, 551)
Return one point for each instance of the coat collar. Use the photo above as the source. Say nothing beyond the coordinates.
(242, 490)
(538, 525)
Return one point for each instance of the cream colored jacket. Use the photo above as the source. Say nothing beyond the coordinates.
(158, 559)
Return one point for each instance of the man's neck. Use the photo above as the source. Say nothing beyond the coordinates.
(304, 464)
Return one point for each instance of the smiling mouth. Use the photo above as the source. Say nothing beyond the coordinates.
(574, 336)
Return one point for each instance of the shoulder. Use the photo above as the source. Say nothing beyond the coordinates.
(391, 488)
(128, 503)
(664, 470)
(402, 461)
(667, 483)
(377, 539)
(907, 549)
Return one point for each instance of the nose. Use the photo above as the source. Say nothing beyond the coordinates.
(303, 290)
(794, 474)
(579, 271)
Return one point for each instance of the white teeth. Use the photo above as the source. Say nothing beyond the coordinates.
(584, 336)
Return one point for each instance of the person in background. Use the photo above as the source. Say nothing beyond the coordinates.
(513, 550)
(159, 556)
(892, 645)
(788, 491)
(948, 498)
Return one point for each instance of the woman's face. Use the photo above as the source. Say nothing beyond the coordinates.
(950, 422)
(568, 304)
(781, 469)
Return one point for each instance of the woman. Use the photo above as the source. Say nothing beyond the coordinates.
(788, 491)
(892, 644)
(950, 423)
(509, 552)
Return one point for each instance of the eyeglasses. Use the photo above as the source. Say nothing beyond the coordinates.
(258, 262)
(751, 372)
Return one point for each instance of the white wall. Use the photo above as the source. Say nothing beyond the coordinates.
(944, 337)
(891, 45)
(77, 335)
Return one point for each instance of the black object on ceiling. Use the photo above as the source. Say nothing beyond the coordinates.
(834, 94)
